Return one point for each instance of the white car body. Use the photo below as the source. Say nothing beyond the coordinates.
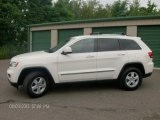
(82, 66)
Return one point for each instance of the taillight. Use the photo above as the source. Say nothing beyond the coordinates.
(150, 54)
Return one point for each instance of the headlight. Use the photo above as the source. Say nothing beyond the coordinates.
(13, 64)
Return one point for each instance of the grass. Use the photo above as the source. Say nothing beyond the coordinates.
(8, 51)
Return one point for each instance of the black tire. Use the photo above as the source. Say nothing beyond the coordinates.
(126, 83)
(33, 78)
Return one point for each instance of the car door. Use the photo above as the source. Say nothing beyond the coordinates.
(133, 49)
(110, 59)
(80, 65)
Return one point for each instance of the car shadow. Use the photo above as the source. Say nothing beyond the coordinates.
(84, 86)
(67, 88)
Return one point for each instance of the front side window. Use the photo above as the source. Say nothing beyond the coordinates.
(128, 45)
(107, 44)
(84, 46)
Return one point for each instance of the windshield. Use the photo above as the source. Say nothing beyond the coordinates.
(61, 44)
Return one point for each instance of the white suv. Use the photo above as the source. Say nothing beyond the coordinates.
(84, 58)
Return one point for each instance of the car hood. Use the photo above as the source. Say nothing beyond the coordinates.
(29, 55)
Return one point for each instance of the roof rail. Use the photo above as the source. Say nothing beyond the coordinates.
(99, 33)
(96, 33)
(120, 33)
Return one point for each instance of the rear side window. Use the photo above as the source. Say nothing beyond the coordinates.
(107, 44)
(128, 45)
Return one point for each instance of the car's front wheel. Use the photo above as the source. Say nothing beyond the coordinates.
(35, 84)
(131, 79)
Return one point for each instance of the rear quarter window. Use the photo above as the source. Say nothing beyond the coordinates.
(129, 45)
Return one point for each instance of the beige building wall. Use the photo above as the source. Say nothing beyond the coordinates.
(30, 47)
(132, 30)
(130, 24)
(99, 24)
(87, 31)
(54, 38)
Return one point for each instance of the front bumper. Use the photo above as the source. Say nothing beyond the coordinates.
(147, 75)
(12, 75)
(13, 84)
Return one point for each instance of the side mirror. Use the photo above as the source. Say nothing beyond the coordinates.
(67, 50)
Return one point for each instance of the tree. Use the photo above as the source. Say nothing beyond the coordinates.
(119, 8)
(35, 13)
(83, 9)
(151, 8)
(103, 12)
(61, 11)
(46, 2)
(15, 15)
(11, 22)
(134, 8)
(76, 7)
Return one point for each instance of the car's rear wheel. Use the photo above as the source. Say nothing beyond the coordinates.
(36, 84)
(131, 79)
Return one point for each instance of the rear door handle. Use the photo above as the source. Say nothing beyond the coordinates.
(90, 56)
(121, 54)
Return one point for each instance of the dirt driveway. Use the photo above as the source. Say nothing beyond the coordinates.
(90, 101)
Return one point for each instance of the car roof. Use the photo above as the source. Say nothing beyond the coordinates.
(117, 36)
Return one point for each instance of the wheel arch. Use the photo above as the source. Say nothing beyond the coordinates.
(133, 64)
(28, 70)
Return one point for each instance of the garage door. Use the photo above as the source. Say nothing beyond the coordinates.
(151, 36)
(65, 34)
(41, 40)
(110, 30)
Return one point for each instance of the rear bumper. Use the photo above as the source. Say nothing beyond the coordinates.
(147, 75)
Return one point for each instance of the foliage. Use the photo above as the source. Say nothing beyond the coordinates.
(136, 10)
(119, 8)
(8, 51)
(15, 15)
(11, 22)
(61, 11)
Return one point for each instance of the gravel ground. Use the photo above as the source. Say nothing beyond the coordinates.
(87, 101)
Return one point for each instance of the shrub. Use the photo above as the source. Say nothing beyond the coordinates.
(8, 51)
